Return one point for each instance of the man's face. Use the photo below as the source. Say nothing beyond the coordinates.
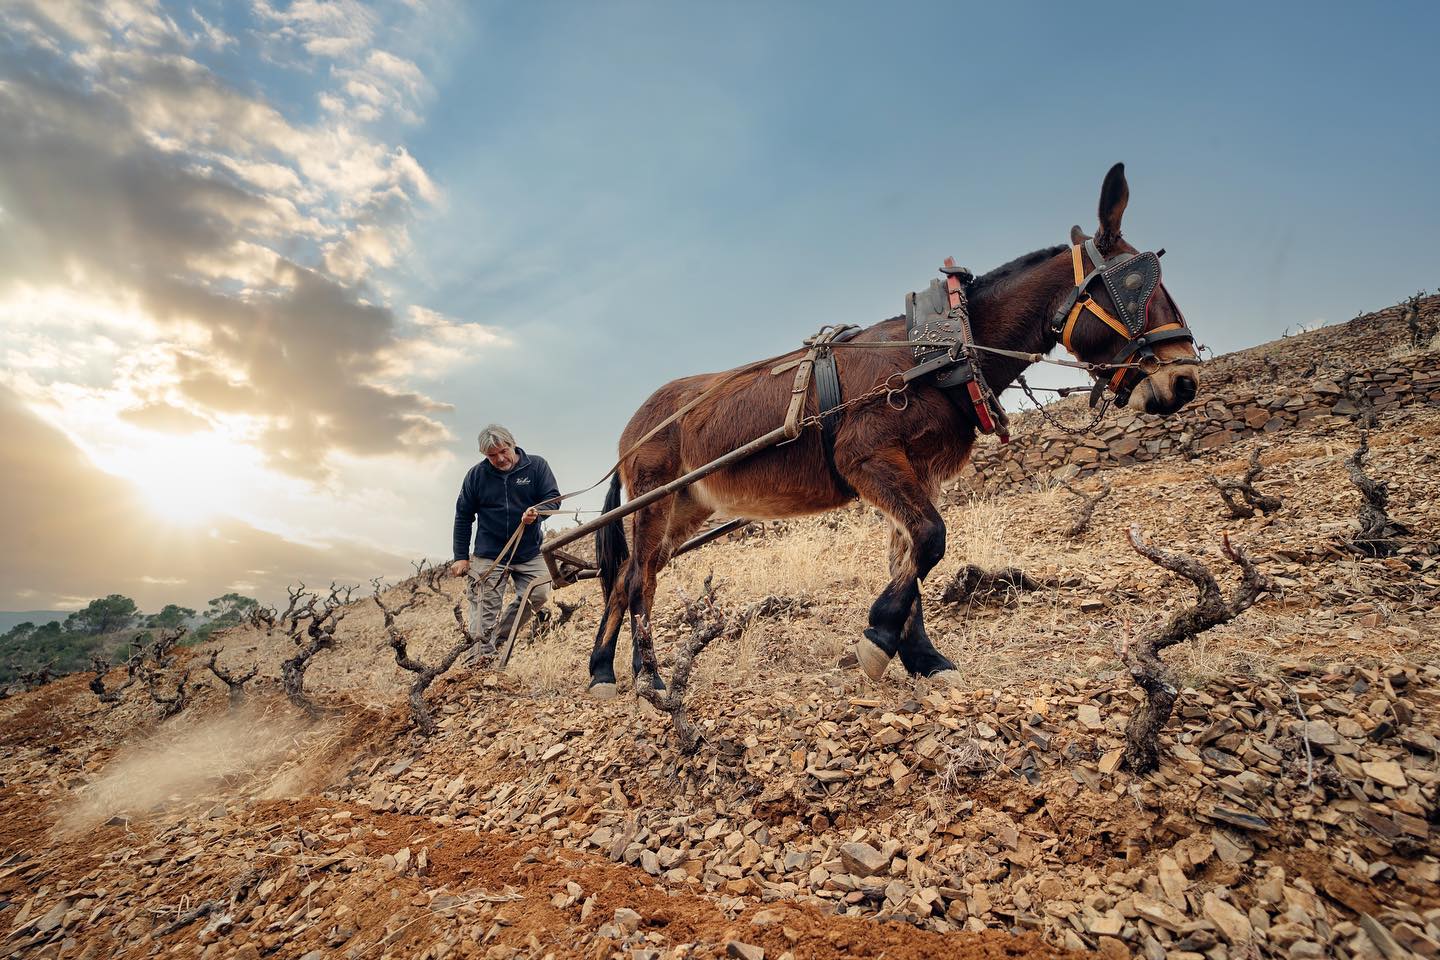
(502, 457)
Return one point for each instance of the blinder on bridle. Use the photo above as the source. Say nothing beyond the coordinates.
(1132, 280)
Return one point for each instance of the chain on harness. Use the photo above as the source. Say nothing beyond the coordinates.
(1054, 421)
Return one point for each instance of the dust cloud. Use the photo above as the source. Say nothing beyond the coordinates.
(253, 751)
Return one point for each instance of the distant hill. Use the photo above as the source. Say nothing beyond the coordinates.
(8, 618)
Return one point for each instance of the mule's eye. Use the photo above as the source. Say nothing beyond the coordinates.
(1133, 281)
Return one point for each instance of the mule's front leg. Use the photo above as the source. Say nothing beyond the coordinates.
(916, 547)
(919, 655)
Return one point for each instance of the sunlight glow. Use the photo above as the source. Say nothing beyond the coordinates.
(185, 479)
(88, 362)
(117, 359)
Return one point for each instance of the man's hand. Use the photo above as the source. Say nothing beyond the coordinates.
(459, 568)
(529, 516)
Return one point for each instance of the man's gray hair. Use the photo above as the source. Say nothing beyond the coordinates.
(495, 435)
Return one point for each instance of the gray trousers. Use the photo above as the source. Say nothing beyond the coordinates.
(486, 597)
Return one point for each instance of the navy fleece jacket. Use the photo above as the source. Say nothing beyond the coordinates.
(496, 500)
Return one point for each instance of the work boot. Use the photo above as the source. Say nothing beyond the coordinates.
(480, 651)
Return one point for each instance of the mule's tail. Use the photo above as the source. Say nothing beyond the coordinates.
(610, 548)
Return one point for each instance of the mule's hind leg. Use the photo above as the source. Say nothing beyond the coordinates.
(686, 516)
(602, 657)
(886, 480)
(649, 556)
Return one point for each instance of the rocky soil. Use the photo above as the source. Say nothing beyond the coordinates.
(823, 816)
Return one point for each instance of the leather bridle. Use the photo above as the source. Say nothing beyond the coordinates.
(1132, 280)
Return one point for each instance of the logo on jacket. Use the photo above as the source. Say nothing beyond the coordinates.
(520, 480)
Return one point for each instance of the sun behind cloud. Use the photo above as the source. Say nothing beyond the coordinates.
(193, 287)
(187, 480)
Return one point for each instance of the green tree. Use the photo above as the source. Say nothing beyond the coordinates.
(222, 613)
(230, 609)
(48, 631)
(103, 616)
(170, 617)
(26, 647)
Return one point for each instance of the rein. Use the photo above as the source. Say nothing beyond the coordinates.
(1142, 279)
(1091, 368)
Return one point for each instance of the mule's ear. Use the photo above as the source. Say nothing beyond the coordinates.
(1114, 195)
(1077, 236)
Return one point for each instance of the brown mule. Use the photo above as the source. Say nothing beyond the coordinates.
(893, 459)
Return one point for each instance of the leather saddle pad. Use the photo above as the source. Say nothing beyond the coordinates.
(928, 319)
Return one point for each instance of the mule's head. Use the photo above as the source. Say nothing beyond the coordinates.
(1121, 314)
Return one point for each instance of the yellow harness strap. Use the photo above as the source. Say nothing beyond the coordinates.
(1087, 303)
(1083, 302)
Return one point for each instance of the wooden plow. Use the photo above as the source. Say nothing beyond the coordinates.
(566, 568)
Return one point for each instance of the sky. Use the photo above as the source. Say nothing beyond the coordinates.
(266, 268)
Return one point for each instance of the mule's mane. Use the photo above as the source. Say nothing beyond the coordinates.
(1019, 265)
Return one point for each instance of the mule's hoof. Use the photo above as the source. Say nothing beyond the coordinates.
(603, 691)
(655, 682)
(873, 660)
(947, 678)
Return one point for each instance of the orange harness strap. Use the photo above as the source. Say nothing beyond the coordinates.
(1085, 302)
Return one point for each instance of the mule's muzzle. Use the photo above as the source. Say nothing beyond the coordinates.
(1182, 389)
(1185, 388)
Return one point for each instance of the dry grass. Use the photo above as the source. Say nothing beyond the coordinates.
(814, 556)
(554, 663)
(838, 563)
(979, 532)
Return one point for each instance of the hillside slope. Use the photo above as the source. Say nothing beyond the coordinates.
(825, 815)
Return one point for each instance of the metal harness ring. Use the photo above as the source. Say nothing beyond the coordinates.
(891, 392)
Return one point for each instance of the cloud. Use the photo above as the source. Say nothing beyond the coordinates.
(166, 417)
(209, 35)
(77, 21)
(245, 244)
(325, 28)
(73, 533)
(439, 344)
(371, 83)
(383, 83)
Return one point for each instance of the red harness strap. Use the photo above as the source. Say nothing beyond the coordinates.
(972, 386)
